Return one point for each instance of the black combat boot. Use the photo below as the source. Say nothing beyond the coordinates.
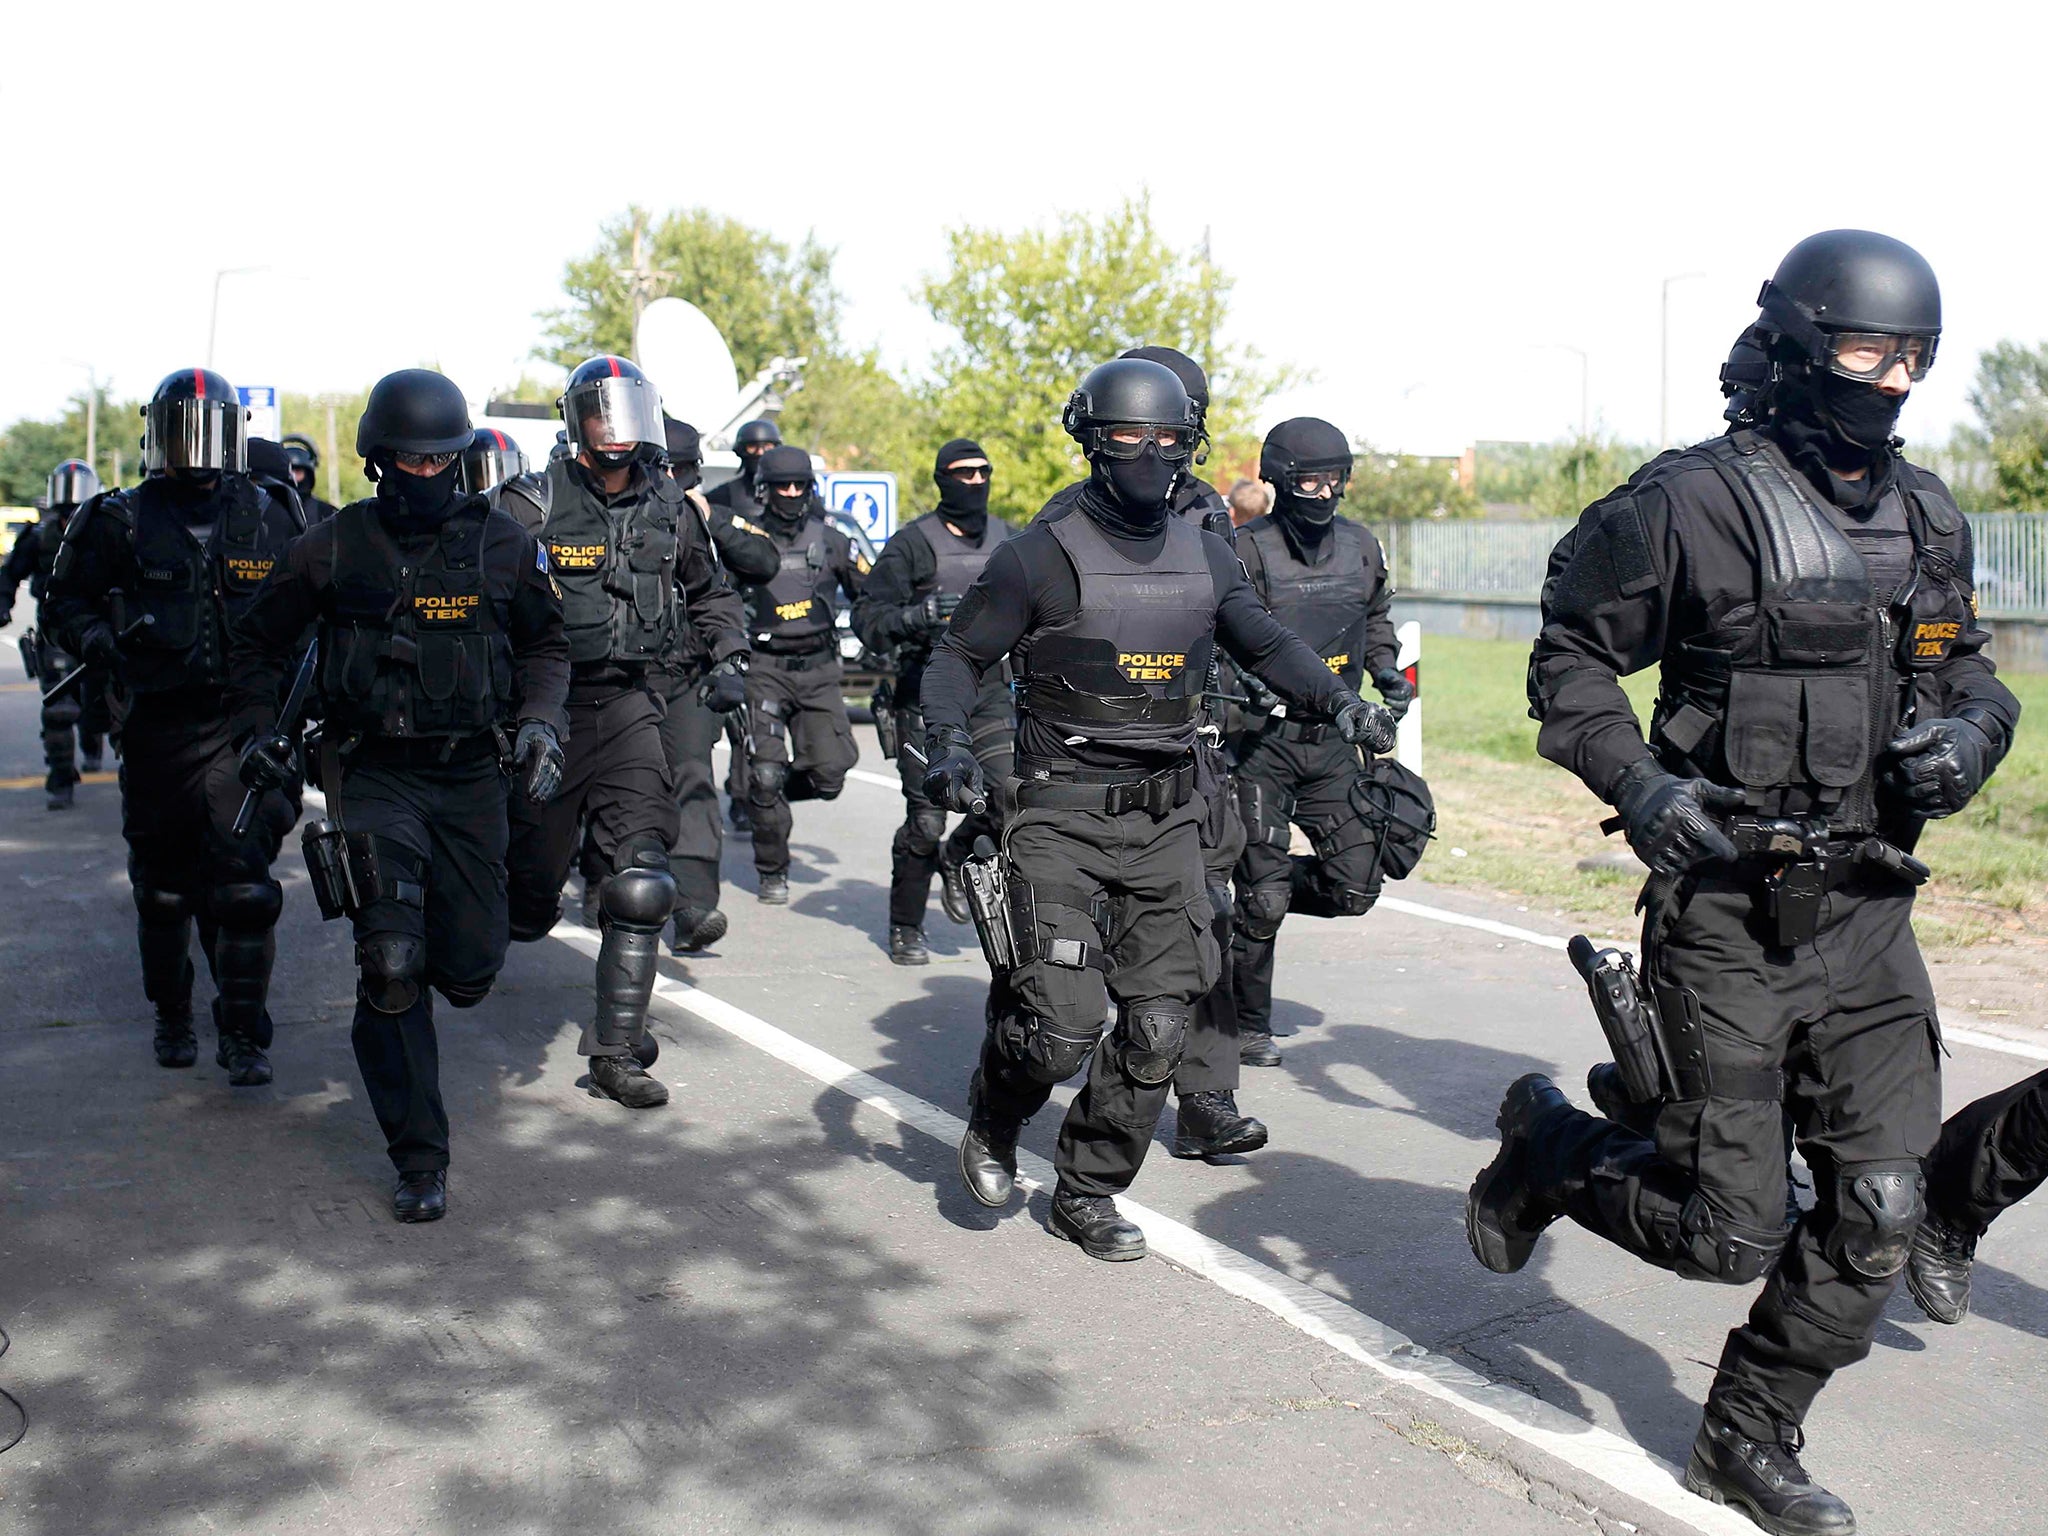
(91, 754)
(906, 945)
(739, 815)
(774, 890)
(176, 1045)
(1503, 1215)
(60, 797)
(247, 1063)
(988, 1152)
(953, 890)
(695, 929)
(1938, 1269)
(421, 1196)
(1765, 1482)
(1209, 1125)
(1255, 1048)
(1093, 1222)
(623, 1078)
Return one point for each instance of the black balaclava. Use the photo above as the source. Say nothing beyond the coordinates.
(1302, 442)
(1832, 427)
(964, 506)
(685, 453)
(418, 501)
(789, 466)
(1134, 495)
(192, 493)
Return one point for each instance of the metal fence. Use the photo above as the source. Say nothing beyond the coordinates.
(1504, 562)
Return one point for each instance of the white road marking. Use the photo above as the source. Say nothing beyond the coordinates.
(1613, 1459)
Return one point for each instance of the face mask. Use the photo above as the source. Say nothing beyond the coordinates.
(613, 460)
(426, 499)
(686, 475)
(1141, 484)
(1861, 414)
(787, 510)
(1314, 511)
(964, 506)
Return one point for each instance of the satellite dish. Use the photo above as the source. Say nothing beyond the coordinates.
(689, 362)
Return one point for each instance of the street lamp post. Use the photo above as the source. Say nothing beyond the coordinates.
(1664, 358)
(213, 324)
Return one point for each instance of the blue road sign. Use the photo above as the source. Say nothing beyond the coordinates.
(866, 496)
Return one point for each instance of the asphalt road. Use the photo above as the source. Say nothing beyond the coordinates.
(770, 1308)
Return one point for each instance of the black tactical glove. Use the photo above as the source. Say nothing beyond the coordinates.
(724, 687)
(538, 751)
(268, 761)
(1258, 698)
(1395, 688)
(1368, 725)
(928, 615)
(952, 775)
(99, 646)
(1668, 820)
(1938, 767)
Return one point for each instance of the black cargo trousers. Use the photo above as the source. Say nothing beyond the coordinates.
(1127, 892)
(78, 718)
(1211, 1064)
(1842, 1033)
(1283, 780)
(689, 731)
(800, 744)
(1992, 1154)
(914, 852)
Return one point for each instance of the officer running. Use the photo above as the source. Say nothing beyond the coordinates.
(1110, 608)
(905, 603)
(148, 582)
(1808, 595)
(1991, 1155)
(438, 627)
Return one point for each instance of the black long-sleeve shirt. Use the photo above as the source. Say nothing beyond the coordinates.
(20, 564)
(1029, 585)
(265, 645)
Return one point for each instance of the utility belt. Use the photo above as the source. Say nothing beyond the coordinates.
(1794, 862)
(420, 751)
(797, 661)
(1307, 732)
(1061, 786)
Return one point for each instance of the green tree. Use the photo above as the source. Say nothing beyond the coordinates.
(1033, 311)
(2010, 397)
(30, 449)
(340, 469)
(1399, 487)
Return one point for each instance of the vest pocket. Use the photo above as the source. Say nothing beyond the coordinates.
(1819, 634)
(1837, 728)
(1762, 734)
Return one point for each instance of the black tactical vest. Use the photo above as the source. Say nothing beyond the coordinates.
(49, 532)
(189, 593)
(1324, 604)
(413, 645)
(792, 612)
(959, 561)
(1127, 669)
(616, 567)
(1793, 697)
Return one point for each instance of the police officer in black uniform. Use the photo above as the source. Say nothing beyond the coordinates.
(74, 720)
(635, 567)
(1325, 578)
(753, 440)
(304, 461)
(918, 580)
(148, 582)
(1110, 608)
(1991, 1155)
(701, 697)
(1808, 595)
(439, 627)
(800, 745)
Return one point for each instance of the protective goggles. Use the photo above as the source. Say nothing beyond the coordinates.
(1311, 483)
(434, 463)
(1127, 440)
(1870, 355)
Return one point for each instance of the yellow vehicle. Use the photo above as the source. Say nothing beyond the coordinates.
(13, 520)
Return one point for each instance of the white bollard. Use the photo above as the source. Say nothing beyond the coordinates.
(1408, 738)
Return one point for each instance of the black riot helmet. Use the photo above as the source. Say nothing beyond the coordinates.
(1745, 376)
(1132, 392)
(754, 439)
(611, 411)
(1854, 303)
(783, 465)
(490, 459)
(413, 411)
(1308, 463)
(685, 452)
(71, 484)
(1192, 379)
(303, 457)
(194, 424)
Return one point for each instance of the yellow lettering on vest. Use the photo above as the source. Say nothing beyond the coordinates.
(787, 611)
(448, 609)
(1337, 663)
(1927, 648)
(1151, 666)
(242, 568)
(577, 557)
(1946, 631)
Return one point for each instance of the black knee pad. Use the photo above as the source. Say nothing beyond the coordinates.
(1877, 1209)
(1046, 1051)
(250, 905)
(765, 781)
(1150, 1038)
(465, 994)
(1710, 1248)
(63, 712)
(922, 830)
(391, 965)
(639, 897)
(159, 908)
(1352, 902)
(1261, 909)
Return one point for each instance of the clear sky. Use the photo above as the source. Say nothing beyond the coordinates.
(1425, 205)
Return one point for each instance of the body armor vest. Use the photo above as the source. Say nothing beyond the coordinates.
(959, 561)
(49, 531)
(1324, 604)
(188, 591)
(1127, 669)
(1794, 697)
(414, 645)
(616, 567)
(792, 611)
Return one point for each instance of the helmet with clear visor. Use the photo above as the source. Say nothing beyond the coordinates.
(71, 484)
(611, 409)
(490, 459)
(194, 422)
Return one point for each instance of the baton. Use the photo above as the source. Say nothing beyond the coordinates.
(294, 703)
(978, 806)
(80, 670)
